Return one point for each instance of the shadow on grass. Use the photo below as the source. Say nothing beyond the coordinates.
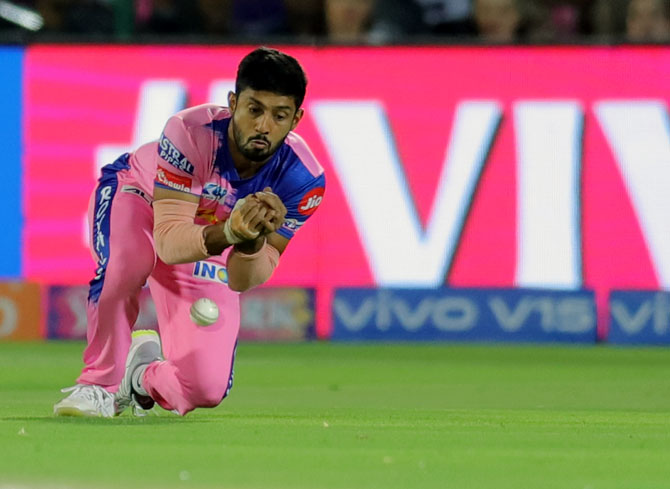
(165, 418)
(121, 420)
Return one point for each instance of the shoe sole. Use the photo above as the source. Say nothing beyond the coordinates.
(71, 411)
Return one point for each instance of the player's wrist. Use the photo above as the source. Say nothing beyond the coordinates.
(231, 236)
(219, 236)
(251, 247)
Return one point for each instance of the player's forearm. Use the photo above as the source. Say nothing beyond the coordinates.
(182, 242)
(215, 239)
(179, 242)
(247, 270)
(176, 237)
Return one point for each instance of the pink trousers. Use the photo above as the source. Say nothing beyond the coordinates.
(198, 366)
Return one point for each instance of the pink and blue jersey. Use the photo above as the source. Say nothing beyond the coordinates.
(192, 156)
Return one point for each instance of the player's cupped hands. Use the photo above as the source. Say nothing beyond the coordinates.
(256, 215)
(275, 211)
(246, 221)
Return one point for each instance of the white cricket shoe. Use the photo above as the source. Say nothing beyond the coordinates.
(145, 348)
(86, 400)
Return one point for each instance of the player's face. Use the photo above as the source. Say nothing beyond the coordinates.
(261, 121)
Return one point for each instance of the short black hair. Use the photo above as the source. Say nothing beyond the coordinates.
(271, 70)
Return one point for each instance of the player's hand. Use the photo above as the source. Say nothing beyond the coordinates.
(246, 220)
(276, 210)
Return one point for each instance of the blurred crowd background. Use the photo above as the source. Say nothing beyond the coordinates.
(339, 21)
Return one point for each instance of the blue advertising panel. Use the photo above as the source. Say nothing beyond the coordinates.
(514, 315)
(11, 61)
(639, 317)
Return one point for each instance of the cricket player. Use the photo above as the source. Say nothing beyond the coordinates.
(222, 187)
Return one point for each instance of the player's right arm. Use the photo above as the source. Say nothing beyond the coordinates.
(179, 240)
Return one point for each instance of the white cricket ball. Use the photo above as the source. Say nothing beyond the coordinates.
(204, 312)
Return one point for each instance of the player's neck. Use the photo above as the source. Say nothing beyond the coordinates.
(246, 168)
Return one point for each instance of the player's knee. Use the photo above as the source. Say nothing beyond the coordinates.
(208, 393)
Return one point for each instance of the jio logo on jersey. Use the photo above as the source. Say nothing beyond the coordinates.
(311, 201)
(210, 271)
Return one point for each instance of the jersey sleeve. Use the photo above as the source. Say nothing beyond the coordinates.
(301, 204)
(180, 159)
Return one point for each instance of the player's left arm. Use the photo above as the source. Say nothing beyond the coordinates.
(252, 266)
(252, 263)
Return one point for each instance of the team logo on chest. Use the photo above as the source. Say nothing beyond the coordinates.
(214, 191)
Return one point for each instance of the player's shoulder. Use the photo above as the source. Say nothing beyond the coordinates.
(301, 155)
(201, 115)
(298, 173)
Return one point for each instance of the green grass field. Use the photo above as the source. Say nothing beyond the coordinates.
(359, 416)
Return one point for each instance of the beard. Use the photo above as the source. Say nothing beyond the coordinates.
(244, 145)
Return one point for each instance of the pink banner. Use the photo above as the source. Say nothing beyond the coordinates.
(535, 167)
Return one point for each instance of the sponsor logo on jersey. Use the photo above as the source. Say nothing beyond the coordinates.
(172, 155)
(210, 271)
(169, 179)
(311, 201)
(292, 224)
(213, 191)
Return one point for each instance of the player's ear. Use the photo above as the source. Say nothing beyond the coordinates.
(296, 118)
(232, 101)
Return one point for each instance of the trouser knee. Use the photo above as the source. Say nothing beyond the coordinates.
(207, 393)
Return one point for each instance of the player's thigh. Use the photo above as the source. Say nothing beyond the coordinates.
(120, 221)
(174, 289)
(128, 255)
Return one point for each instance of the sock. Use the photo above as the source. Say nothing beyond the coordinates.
(136, 380)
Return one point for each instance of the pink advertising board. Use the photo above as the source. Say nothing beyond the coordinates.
(466, 166)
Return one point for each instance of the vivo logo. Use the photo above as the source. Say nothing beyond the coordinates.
(650, 315)
(385, 309)
(485, 313)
